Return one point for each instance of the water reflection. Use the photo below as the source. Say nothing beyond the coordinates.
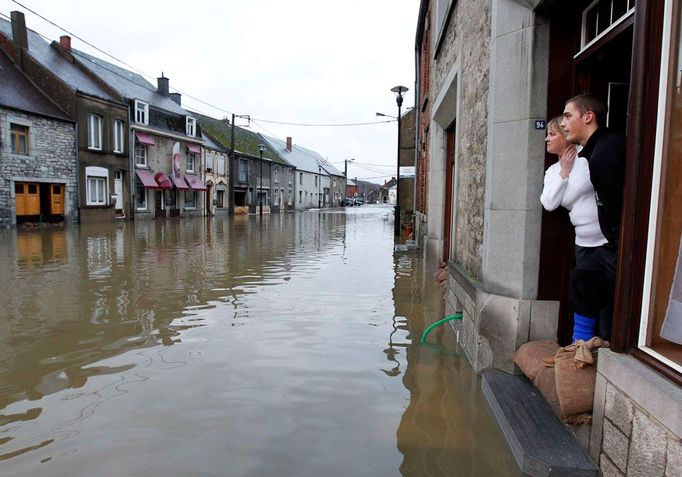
(271, 346)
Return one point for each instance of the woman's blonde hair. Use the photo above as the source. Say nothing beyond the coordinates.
(555, 123)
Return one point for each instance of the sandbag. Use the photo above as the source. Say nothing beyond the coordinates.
(545, 383)
(528, 356)
(576, 373)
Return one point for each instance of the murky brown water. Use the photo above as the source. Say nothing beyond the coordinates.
(232, 347)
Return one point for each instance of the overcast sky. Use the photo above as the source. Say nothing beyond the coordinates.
(296, 61)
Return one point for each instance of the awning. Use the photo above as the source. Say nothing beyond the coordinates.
(163, 180)
(145, 138)
(147, 179)
(179, 182)
(195, 182)
(194, 148)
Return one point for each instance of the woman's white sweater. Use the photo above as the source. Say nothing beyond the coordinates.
(576, 194)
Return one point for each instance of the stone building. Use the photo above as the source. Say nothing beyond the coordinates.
(102, 117)
(165, 143)
(38, 168)
(253, 181)
(489, 75)
(217, 176)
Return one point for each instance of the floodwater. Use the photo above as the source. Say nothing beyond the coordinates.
(286, 345)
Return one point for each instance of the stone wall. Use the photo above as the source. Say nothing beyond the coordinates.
(51, 159)
(637, 420)
(467, 41)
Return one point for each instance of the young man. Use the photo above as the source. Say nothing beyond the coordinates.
(593, 280)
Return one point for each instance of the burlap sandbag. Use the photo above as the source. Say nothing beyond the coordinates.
(545, 383)
(576, 373)
(528, 356)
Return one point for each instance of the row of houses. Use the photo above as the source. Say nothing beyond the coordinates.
(489, 74)
(85, 140)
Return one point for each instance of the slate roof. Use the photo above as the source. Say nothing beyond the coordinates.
(71, 74)
(210, 143)
(129, 84)
(304, 159)
(245, 141)
(17, 92)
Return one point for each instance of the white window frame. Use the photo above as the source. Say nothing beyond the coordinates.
(584, 45)
(141, 112)
(276, 174)
(99, 177)
(146, 197)
(190, 126)
(221, 164)
(119, 141)
(663, 97)
(14, 134)
(193, 194)
(191, 162)
(138, 149)
(95, 132)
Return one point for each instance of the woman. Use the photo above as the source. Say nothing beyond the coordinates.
(567, 184)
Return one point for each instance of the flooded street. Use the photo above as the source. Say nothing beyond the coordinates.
(281, 346)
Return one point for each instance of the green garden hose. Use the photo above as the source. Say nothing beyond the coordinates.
(456, 316)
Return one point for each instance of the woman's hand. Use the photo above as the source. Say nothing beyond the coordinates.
(566, 161)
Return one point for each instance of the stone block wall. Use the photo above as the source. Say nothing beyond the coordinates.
(51, 159)
(467, 41)
(637, 420)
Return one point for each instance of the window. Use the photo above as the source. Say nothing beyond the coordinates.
(140, 154)
(276, 174)
(18, 138)
(191, 161)
(220, 199)
(243, 170)
(660, 332)
(190, 199)
(118, 136)
(221, 164)
(602, 16)
(140, 196)
(94, 132)
(300, 178)
(290, 173)
(300, 196)
(315, 181)
(96, 179)
(191, 126)
(141, 112)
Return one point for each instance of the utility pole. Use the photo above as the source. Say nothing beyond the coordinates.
(231, 167)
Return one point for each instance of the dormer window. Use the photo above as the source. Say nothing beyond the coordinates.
(191, 127)
(141, 112)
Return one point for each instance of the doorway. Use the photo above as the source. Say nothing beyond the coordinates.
(590, 52)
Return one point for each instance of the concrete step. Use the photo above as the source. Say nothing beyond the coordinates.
(540, 442)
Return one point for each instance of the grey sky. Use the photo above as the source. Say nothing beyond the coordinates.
(299, 61)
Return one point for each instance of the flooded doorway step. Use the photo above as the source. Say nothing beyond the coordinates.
(541, 444)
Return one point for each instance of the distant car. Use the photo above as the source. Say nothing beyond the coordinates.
(350, 202)
(359, 201)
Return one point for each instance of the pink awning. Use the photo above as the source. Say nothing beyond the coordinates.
(194, 148)
(195, 182)
(145, 138)
(147, 179)
(163, 180)
(179, 182)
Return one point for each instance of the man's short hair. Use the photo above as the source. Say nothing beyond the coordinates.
(586, 102)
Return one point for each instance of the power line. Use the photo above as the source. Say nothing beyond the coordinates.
(187, 94)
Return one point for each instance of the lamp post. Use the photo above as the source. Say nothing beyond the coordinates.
(398, 90)
(319, 184)
(261, 148)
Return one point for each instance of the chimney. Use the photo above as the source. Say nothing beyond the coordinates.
(175, 97)
(19, 33)
(163, 85)
(65, 42)
(289, 146)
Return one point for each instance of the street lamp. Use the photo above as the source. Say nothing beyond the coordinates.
(261, 148)
(386, 115)
(398, 90)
